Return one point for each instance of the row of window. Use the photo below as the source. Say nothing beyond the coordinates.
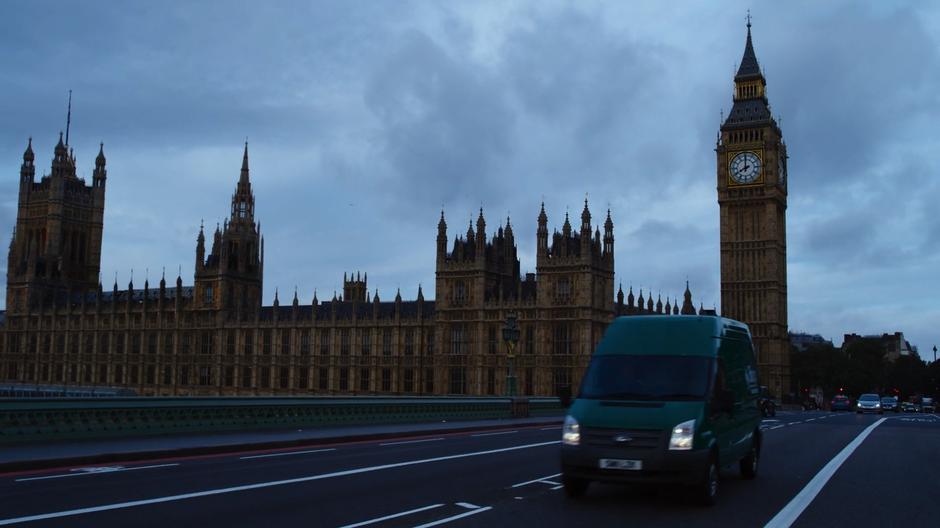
(136, 343)
(152, 343)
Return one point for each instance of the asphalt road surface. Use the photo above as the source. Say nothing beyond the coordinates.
(817, 469)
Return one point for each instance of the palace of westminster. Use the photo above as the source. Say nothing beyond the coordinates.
(215, 338)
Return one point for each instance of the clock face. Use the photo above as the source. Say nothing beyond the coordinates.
(745, 167)
(781, 171)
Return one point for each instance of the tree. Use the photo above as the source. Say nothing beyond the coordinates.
(907, 375)
(866, 367)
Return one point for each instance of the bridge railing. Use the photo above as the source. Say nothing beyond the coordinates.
(75, 418)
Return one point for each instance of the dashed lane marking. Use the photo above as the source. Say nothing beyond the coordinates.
(287, 454)
(392, 516)
(533, 481)
(777, 427)
(467, 505)
(793, 423)
(454, 517)
(411, 442)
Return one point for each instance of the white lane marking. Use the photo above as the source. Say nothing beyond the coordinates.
(777, 427)
(810, 419)
(95, 472)
(287, 454)
(533, 481)
(558, 428)
(454, 518)
(549, 482)
(392, 516)
(791, 512)
(260, 485)
(557, 487)
(793, 423)
(497, 433)
(768, 420)
(411, 442)
(467, 505)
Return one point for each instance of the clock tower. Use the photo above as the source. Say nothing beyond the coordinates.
(752, 198)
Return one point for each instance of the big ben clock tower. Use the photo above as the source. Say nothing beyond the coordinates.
(752, 198)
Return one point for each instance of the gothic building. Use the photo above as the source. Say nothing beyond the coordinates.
(216, 338)
(752, 198)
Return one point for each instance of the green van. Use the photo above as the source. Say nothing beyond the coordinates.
(665, 399)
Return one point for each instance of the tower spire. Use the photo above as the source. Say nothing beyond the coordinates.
(68, 119)
(749, 67)
(244, 174)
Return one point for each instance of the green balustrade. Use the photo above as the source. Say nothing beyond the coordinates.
(25, 420)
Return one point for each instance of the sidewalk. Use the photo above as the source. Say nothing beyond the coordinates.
(81, 452)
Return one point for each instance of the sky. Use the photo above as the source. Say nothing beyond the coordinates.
(364, 119)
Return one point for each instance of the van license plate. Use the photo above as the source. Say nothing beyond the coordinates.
(617, 463)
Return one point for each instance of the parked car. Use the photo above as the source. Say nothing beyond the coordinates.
(909, 406)
(926, 405)
(869, 403)
(665, 399)
(840, 402)
(890, 403)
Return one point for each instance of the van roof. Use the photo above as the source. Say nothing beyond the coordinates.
(669, 335)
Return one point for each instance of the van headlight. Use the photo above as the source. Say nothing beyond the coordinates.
(571, 432)
(681, 439)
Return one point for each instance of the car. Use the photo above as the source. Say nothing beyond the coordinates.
(890, 403)
(909, 406)
(926, 405)
(810, 404)
(840, 402)
(665, 400)
(869, 403)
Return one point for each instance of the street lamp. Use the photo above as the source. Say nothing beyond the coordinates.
(511, 337)
(935, 353)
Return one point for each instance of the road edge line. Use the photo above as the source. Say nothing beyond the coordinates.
(792, 511)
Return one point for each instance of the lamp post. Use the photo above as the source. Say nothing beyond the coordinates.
(511, 337)
(935, 353)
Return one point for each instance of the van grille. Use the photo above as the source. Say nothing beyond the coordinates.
(606, 437)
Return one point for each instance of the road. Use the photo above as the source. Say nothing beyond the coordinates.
(499, 478)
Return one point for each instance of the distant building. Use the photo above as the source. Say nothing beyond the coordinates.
(894, 345)
(801, 341)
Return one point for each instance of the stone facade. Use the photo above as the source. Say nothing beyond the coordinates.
(752, 198)
(216, 338)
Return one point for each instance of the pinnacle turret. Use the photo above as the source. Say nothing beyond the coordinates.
(28, 156)
(100, 159)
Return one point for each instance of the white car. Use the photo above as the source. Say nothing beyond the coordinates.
(926, 405)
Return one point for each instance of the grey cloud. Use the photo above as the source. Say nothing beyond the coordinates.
(444, 125)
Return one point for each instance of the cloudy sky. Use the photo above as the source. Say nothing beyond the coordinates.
(365, 118)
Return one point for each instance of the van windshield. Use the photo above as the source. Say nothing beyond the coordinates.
(622, 377)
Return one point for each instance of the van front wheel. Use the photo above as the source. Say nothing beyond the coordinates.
(707, 493)
(750, 462)
(574, 487)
